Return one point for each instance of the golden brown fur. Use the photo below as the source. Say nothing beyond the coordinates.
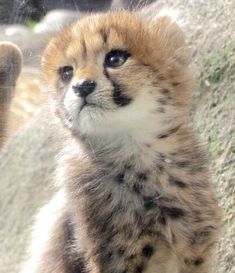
(135, 184)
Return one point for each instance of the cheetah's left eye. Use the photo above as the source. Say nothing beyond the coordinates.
(116, 58)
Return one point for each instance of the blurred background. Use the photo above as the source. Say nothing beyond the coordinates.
(33, 138)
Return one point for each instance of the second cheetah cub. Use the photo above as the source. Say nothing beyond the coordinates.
(135, 189)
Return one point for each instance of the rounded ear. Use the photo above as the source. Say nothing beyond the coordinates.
(166, 35)
(168, 32)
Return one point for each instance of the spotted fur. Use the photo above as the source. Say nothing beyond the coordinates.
(136, 189)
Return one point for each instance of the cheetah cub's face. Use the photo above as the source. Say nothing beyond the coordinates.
(117, 73)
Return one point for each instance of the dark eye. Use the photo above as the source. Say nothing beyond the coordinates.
(116, 58)
(66, 73)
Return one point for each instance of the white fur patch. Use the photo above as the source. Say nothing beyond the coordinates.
(45, 221)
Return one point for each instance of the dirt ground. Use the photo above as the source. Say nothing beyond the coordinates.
(209, 28)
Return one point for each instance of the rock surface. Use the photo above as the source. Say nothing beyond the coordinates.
(28, 161)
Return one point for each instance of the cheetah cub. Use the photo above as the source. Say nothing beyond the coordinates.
(135, 188)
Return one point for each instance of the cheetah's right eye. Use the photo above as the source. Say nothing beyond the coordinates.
(66, 73)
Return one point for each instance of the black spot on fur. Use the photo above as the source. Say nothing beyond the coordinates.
(128, 167)
(176, 83)
(160, 168)
(139, 269)
(78, 266)
(149, 202)
(109, 196)
(120, 178)
(176, 182)
(131, 257)
(182, 164)
(109, 255)
(137, 187)
(165, 91)
(121, 250)
(148, 251)
(162, 101)
(142, 176)
(198, 261)
(162, 220)
(173, 212)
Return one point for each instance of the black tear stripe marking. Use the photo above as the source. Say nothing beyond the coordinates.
(169, 132)
(119, 98)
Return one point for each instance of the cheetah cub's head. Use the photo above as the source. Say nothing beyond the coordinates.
(118, 74)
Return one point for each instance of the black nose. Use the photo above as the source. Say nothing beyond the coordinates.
(84, 87)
